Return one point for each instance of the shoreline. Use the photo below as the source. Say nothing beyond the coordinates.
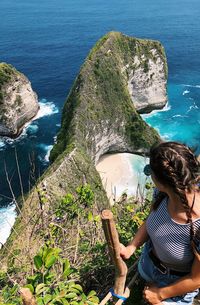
(7, 212)
(122, 173)
(37, 116)
(21, 129)
(7, 219)
(167, 107)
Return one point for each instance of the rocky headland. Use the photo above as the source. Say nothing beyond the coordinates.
(148, 90)
(100, 116)
(116, 80)
(18, 101)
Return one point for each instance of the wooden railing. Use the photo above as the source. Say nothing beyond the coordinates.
(121, 269)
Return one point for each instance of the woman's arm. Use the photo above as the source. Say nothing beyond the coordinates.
(139, 239)
(188, 283)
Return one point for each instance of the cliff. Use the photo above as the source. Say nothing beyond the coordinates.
(99, 117)
(100, 114)
(148, 90)
(18, 102)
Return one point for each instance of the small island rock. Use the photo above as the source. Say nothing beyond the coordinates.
(18, 101)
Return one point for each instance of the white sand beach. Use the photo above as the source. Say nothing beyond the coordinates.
(121, 172)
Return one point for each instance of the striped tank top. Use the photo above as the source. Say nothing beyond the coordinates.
(171, 240)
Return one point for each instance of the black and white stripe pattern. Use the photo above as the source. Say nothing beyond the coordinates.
(171, 240)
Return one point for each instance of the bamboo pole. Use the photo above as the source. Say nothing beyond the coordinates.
(106, 298)
(114, 251)
(27, 297)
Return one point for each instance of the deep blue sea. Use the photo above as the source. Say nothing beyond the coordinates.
(49, 40)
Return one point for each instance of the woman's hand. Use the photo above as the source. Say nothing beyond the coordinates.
(126, 252)
(151, 295)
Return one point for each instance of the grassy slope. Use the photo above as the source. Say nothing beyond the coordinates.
(6, 74)
(99, 94)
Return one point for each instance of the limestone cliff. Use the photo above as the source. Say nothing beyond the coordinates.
(147, 80)
(18, 102)
(99, 117)
(100, 113)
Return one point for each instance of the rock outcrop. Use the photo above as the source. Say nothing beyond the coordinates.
(18, 102)
(147, 80)
(100, 113)
(99, 117)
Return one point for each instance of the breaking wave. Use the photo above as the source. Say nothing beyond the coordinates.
(186, 92)
(44, 155)
(154, 112)
(30, 128)
(7, 219)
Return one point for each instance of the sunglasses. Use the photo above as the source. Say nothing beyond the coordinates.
(147, 170)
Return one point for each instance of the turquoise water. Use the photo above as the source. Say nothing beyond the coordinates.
(180, 119)
(49, 40)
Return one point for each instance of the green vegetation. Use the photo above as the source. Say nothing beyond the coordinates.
(146, 66)
(100, 95)
(50, 283)
(6, 74)
(142, 134)
(13, 85)
(18, 101)
(52, 279)
(64, 219)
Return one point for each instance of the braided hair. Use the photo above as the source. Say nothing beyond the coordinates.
(175, 165)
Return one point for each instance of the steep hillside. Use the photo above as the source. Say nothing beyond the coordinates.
(99, 117)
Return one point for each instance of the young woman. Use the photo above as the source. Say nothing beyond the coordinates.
(169, 262)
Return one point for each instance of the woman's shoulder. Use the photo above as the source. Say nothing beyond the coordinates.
(196, 210)
(155, 193)
(159, 202)
(196, 223)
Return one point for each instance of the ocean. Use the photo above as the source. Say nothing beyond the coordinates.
(49, 40)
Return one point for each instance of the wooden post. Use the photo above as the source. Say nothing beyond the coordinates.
(27, 297)
(114, 251)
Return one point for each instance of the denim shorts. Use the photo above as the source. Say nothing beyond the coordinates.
(150, 273)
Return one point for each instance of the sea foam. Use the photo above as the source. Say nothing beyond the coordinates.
(179, 116)
(7, 219)
(186, 92)
(44, 157)
(192, 107)
(157, 111)
(191, 86)
(30, 128)
(8, 214)
(46, 109)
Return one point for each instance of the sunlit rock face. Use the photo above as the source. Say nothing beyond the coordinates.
(18, 101)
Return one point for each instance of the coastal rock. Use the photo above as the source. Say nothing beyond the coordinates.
(147, 81)
(18, 102)
(148, 90)
(99, 117)
(100, 112)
